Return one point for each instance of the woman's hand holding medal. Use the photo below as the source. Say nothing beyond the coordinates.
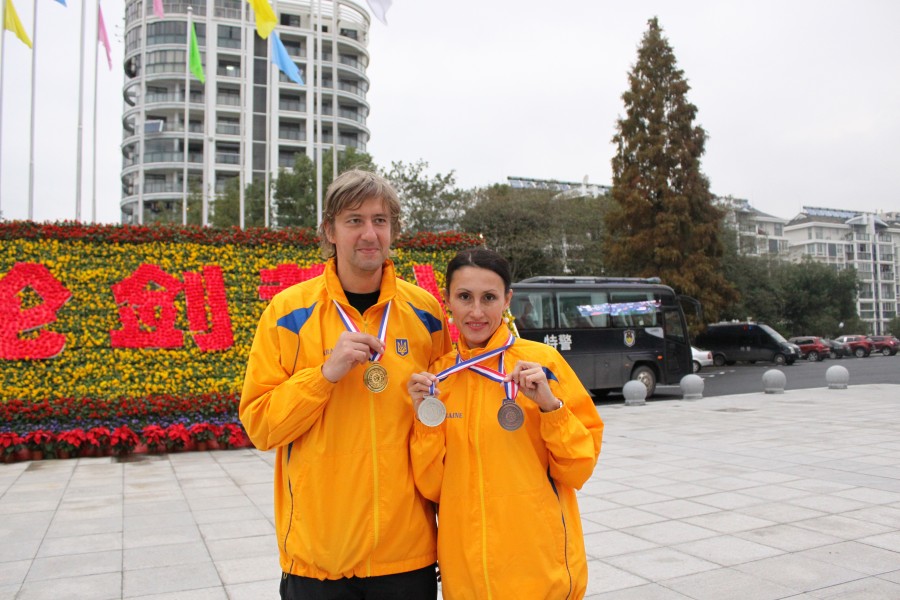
(352, 348)
(429, 410)
(533, 383)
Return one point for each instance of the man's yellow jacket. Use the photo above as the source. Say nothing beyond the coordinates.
(508, 520)
(345, 501)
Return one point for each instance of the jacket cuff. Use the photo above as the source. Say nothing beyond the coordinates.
(555, 417)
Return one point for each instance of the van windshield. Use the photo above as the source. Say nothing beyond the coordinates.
(775, 335)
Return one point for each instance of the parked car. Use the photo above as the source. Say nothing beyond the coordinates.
(886, 344)
(733, 341)
(811, 348)
(838, 349)
(859, 344)
(702, 358)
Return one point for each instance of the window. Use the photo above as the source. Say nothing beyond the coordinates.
(154, 126)
(533, 310)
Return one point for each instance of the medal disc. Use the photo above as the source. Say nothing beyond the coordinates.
(375, 377)
(431, 411)
(511, 416)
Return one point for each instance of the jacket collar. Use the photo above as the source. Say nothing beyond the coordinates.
(498, 340)
(333, 284)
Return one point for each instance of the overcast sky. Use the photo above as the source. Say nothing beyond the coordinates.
(800, 99)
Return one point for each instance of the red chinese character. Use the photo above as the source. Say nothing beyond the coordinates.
(146, 302)
(211, 329)
(284, 276)
(15, 321)
(147, 309)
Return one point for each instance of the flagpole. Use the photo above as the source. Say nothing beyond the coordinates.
(318, 112)
(142, 117)
(94, 141)
(187, 112)
(334, 83)
(31, 131)
(271, 79)
(80, 137)
(209, 111)
(246, 45)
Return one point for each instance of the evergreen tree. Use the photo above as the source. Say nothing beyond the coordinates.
(429, 203)
(662, 221)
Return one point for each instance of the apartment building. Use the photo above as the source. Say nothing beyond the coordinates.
(757, 233)
(248, 119)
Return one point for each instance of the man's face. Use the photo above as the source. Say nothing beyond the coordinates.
(361, 237)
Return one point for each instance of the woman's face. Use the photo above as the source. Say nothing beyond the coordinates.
(477, 299)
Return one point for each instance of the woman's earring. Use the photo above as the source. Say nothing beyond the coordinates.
(449, 317)
(506, 319)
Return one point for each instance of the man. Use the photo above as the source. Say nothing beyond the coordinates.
(326, 387)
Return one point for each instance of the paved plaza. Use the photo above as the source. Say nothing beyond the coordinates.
(757, 496)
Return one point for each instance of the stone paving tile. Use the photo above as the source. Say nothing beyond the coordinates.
(105, 586)
(212, 593)
(843, 527)
(728, 522)
(75, 565)
(860, 557)
(668, 533)
(650, 591)
(612, 543)
(779, 512)
(261, 545)
(728, 550)
(603, 577)
(80, 544)
(866, 589)
(659, 564)
(179, 578)
(618, 518)
(169, 555)
(678, 509)
(788, 538)
(728, 584)
(799, 572)
(255, 590)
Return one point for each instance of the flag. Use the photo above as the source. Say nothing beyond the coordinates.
(102, 37)
(265, 17)
(158, 9)
(194, 61)
(63, 2)
(380, 8)
(13, 23)
(283, 60)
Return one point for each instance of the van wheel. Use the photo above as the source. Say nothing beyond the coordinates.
(779, 359)
(646, 376)
(813, 356)
(719, 360)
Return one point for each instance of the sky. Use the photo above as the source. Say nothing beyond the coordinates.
(800, 98)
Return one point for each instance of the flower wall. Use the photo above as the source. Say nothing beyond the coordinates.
(109, 326)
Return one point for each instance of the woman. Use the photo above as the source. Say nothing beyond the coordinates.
(520, 435)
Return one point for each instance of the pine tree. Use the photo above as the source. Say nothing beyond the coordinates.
(662, 221)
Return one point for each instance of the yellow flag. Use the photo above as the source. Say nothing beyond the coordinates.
(13, 23)
(265, 17)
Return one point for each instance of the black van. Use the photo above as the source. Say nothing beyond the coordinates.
(734, 341)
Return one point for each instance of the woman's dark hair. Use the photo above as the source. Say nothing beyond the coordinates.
(483, 259)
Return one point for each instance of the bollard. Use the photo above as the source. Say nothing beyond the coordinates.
(837, 377)
(635, 393)
(773, 381)
(691, 387)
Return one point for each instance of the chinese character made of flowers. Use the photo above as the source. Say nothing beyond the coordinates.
(15, 320)
(146, 303)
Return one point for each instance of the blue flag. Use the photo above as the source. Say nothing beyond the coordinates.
(283, 61)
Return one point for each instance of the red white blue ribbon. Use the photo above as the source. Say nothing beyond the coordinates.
(382, 329)
(510, 387)
(472, 363)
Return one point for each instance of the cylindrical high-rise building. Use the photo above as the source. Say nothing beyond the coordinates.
(248, 120)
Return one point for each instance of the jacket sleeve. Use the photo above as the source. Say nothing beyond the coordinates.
(277, 407)
(427, 448)
(574, 432)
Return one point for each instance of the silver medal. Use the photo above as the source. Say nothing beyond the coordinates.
(431, 411)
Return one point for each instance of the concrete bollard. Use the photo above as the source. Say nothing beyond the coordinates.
(635, 393)
(691, 387)
(837, 377)
(774, 381)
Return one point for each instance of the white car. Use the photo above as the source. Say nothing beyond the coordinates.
(702, 358)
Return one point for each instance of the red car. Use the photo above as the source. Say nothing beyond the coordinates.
(860, 345)
(811, 348)
(886, 344)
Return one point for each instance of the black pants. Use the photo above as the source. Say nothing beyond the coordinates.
(413, 585)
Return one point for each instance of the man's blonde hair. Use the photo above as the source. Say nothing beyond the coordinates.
(349, 191)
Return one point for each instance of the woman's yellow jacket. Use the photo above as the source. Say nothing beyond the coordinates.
(508, 520)
(345, 501)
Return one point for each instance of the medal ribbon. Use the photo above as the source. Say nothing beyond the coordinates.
(472, 362)
(510, 387)
(382, 329)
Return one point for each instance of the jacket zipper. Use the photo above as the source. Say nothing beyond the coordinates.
(287, 463)
(487, 581)
(565, 531)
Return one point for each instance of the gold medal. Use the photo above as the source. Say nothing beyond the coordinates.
(375, 377)
(511, 416)
(431, 411)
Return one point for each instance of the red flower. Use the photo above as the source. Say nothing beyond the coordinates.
(177, 436)
(10, 442)
(123, 439)
(70, 440)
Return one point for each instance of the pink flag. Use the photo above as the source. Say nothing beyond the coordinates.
(158, 9)
(101, 35)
